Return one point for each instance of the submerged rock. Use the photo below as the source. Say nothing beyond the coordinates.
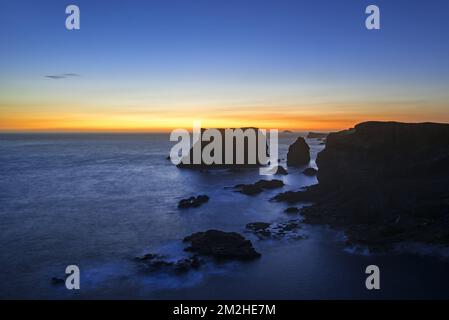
(264, 230)
(310, 172)
(186, 264)
(193, 202)
(148, 257)
(298, 153)
(155, 262)
(260, 228)
(221, 245)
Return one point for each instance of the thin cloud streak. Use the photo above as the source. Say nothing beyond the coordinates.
(62, 76)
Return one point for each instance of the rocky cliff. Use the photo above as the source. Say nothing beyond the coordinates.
(385, 182)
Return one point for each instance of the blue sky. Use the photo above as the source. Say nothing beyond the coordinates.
(225, 59)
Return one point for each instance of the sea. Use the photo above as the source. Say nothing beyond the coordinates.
(97, 201)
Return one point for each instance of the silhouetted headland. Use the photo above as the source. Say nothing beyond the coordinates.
(383, 183)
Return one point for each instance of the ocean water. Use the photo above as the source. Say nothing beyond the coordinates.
(98, 201)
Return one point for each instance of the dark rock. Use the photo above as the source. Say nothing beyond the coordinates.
(155, 262)
(221, 245)
(269, 184)
(257, 226)
(317, 135)
(291, 210)
(148, 257)
(294, 196)
(250, 189)
(378, 171)
(187, 161)
(298, 153)
(193, 202)
(260, 229)
(280, 170)
(310, 172)
(259, 186)
(289, 226)
(264, 230)
(187, 264)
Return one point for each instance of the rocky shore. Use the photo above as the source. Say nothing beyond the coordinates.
(383, 183)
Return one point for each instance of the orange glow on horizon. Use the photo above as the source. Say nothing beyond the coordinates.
(166, 125)
(281, 118)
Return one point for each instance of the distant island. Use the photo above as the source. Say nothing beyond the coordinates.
(317, 135)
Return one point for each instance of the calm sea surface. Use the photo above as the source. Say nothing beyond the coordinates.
(98, 201)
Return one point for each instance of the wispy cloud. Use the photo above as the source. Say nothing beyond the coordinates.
(61, 76)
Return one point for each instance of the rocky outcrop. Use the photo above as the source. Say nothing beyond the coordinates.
(261, 229)
(259, 186)
(280, 230)
(296, 196)
(221, 245)
(298, 153)
(155, 262)
(384, 182)
(193, 202)
(249, 150)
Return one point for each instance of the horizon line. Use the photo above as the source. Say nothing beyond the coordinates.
(168, 130)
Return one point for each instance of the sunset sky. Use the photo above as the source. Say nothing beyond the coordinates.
(159, 65)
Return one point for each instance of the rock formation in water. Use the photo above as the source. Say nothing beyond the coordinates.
(280, 230)
(154, 262)
(259, 186)
(193, 202)
(249, 150)
(298, 153)
(383, 182)
(221, 245)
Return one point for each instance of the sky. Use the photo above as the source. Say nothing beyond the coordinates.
(275, 64)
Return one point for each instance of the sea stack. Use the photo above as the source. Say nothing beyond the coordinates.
(249, 150)
(298, 153)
